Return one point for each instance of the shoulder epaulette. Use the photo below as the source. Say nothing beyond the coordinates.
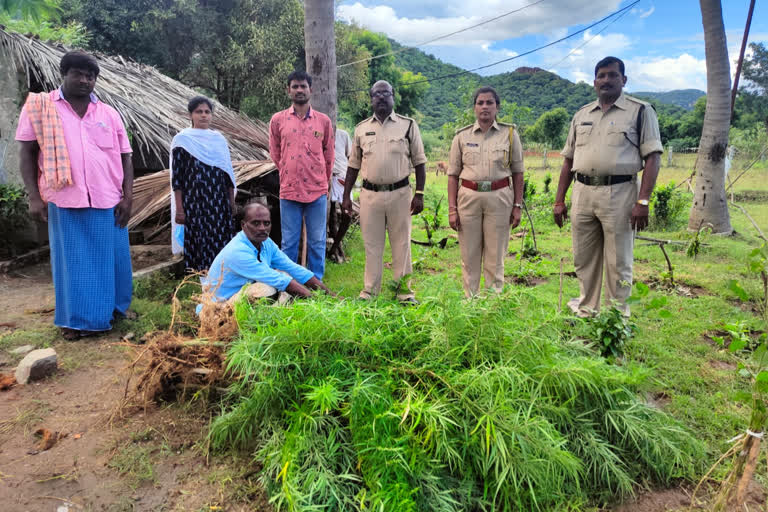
(587, 105)
(404, 117)
(508, 125)
(464, 128)
(363, 121)
(637, 100)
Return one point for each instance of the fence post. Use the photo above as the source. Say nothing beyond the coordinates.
(669, 155)
(545, 156)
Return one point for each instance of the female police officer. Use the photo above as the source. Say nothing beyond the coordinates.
(485, 191)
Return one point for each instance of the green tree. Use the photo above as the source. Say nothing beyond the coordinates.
(36, 10)
(752, 102)
(382, 67)
(550, 128)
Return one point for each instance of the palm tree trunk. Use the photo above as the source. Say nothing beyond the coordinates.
(320, 48)
(710, 204)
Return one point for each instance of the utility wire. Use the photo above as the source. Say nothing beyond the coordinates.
(464, 72)
(585, 43)
(441, 37)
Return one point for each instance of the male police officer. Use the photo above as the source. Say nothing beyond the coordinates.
(610, 140)
(384, 148)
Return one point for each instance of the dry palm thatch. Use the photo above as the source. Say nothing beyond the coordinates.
(151, 193)
(152, 105)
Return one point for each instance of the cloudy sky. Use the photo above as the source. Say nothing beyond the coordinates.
(661, 41)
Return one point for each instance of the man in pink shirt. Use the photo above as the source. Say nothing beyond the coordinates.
(86, 199)
(301, 144)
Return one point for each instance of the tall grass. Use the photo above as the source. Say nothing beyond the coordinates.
(452, 405)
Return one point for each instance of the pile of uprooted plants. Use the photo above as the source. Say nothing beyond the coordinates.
(452, 405)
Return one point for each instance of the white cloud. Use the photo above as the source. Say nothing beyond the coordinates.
(543, 18)
(664, 74)
(576, 61)
(643, 14)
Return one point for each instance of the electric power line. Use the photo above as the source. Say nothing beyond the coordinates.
(585, 43)
(464, 72)
(441, 37)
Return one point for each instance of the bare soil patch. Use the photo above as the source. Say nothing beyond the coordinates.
(527, 280)
(681, 288)
(152, 460)
(678, 499)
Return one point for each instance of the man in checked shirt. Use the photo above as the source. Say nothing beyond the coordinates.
(301, 143)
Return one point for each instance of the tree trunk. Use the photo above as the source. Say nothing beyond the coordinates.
(710, 204)
(320, 48)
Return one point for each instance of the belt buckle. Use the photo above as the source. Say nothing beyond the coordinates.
(483, 186)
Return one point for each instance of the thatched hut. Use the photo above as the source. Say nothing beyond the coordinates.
(153, 108)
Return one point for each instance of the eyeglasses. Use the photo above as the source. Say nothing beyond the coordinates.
(381, 94)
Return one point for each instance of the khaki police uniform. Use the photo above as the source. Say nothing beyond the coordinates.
(385, 154)
(607, 144)
(481, 159)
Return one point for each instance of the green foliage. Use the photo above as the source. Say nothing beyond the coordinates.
(547, 182)
(749, 142)
(72, 34)
(667, 207)
(450, 405)
(611, 330)
(34, 10)
(13, 214)
(693, 248)
(240, 51)
(551, 128)
(409, 86)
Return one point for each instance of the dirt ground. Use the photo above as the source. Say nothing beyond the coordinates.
(142, 461)
(153, 460)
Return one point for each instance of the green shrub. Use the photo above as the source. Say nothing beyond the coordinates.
(667, 207)
(13, 215)
(451, 405)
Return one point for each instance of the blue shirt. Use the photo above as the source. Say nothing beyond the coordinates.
(240, 263)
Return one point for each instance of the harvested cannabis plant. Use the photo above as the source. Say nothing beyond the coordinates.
(451, 405)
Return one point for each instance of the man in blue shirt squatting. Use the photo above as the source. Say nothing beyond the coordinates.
(252, 257)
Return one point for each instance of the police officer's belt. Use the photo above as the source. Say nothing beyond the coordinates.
(597, 181)
(485, 186)
(367, 185)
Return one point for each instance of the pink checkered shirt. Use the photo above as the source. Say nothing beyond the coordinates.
(303, 150)
(95, 144)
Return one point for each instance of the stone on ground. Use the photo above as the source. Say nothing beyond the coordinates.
(36, 365)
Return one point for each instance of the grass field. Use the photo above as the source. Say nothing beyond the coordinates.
(694, 379)
(690, 377)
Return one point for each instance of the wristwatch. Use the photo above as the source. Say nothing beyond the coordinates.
(643, 202)
(518, 205)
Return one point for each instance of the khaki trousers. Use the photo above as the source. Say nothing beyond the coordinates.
(484, 236)
(384, 213)
(603, 237)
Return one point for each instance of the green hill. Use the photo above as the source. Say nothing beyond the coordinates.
(684, 98)
(535, 88)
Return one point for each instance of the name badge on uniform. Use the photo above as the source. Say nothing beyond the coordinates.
(586, 123)
(370, 133)
(472, 145)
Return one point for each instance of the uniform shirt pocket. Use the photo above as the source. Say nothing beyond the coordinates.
(583, 132)
(500, 156)
(397, 145)
(101, 134)
(471, 155)
(618, 134)
(367, 145)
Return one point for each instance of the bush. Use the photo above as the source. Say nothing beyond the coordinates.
(451, 405)
(14, 216)
(667, 207)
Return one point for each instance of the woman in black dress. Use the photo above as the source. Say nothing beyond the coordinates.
(203, 184)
